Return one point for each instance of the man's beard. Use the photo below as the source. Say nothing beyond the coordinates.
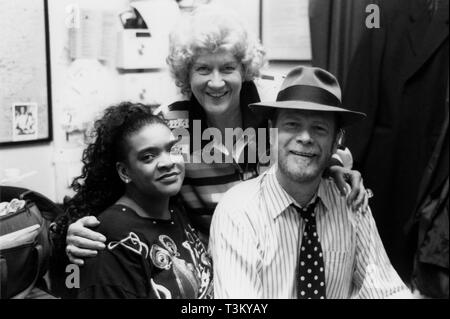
(299, 172)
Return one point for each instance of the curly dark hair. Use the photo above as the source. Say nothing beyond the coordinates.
(99, 184)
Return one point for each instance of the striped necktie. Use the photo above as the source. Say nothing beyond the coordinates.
(311, 269)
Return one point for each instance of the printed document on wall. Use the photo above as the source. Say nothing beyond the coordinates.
(285, 29)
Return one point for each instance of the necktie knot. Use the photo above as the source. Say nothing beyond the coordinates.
(308, 213)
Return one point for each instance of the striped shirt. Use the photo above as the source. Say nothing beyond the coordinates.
(256, 234)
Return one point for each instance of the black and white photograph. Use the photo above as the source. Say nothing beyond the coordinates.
(234, 155)
(25, 121)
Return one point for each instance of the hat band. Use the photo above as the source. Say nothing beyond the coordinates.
(308, 93)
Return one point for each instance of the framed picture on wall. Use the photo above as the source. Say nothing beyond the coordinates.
(285, 30)
(25, 83)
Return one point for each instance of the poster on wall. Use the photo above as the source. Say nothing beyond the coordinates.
(25, 94)
(285, 29)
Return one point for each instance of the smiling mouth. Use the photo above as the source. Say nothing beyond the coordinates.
(303, 154)
(217, 95)
(168, 176)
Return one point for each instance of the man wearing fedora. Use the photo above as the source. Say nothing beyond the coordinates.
(289, 233)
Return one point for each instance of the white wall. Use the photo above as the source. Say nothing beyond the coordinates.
(87, 86)
(33, 161)
(84, 86)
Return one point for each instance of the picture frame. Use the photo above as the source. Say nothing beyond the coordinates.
(285, 31)
(25, 74)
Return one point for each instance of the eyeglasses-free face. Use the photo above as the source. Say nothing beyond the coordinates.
(216, 82)
(154, 165)
(305, 141)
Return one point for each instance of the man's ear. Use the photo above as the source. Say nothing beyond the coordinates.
(122, 170)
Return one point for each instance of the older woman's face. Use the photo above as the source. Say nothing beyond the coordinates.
(216, 82)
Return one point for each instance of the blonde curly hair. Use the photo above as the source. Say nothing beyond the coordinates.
(212, 29)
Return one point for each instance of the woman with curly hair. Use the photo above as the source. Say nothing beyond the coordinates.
(215, 61)
(132, 173)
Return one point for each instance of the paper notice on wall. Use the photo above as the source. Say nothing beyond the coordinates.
(93, 37)
(285, 29)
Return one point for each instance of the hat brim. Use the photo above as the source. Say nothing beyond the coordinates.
(347, 117)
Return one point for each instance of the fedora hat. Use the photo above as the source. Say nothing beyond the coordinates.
(311, 89)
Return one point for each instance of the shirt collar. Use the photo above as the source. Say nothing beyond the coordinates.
(324, 194)
(278, 200)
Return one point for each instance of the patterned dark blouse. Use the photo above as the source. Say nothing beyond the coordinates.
(147, 258)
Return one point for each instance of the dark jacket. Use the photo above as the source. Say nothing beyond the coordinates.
(430, 224)
(399, 77)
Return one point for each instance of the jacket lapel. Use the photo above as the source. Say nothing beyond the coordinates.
(426, 37)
